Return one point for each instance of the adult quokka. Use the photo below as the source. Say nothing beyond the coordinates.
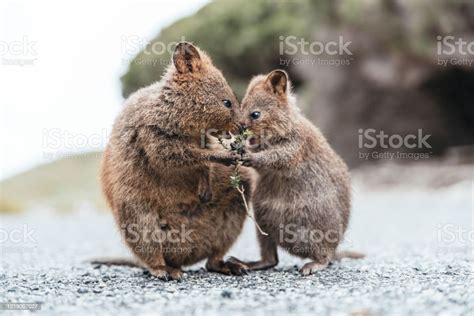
(303, 197)
(170, 197)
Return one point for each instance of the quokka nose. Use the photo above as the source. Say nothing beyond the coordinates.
(242, 127)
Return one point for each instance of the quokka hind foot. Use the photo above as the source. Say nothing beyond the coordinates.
(255, 265)
(227, 267)
(313, 267)
(166, 273)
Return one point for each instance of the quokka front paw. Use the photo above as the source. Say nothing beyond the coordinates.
(249, 160)
(205, 195)
(228, 158)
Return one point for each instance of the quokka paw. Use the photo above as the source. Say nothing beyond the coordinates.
(236, 268)
(313, 267)
(228, 267)
(167, 273)
(205, 196)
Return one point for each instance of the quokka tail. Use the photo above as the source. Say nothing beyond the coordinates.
(348, 254)
(116, 262)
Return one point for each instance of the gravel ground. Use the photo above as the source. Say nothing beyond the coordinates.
(416, 264)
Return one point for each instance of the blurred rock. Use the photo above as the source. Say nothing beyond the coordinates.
(395, 81)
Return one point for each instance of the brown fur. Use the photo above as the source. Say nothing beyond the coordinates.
(302, 181)
(154, 170)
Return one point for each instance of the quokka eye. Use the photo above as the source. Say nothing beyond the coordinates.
(255, 115)
(227, 103)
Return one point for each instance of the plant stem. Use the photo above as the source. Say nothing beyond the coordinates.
(241, 190)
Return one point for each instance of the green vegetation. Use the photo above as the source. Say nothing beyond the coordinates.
(66, 184)
(242, 39)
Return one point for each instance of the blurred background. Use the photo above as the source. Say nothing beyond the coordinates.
(395, 67)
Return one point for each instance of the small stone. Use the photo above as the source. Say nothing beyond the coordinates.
(226, 294)
(82, 290)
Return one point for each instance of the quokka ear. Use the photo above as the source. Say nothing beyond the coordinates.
(186, 58)
(277, 82)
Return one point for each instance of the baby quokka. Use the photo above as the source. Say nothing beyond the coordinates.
(302, 198)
